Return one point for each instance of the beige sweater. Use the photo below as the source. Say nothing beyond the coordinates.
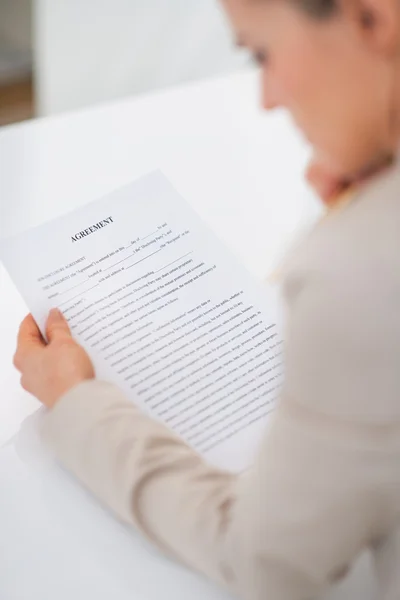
(326, 483)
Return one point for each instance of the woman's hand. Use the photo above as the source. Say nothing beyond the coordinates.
(329, 185)
(326, 184)
(49, 370)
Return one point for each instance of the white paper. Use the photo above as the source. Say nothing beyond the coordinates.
(164, 311)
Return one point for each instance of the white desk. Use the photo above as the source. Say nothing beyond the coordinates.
(243, 173)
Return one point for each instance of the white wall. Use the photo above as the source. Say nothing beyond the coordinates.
(90, 51)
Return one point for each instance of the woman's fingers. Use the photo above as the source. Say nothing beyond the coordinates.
(57, 327)
(50, 370)
(326, 184)
(29, 340)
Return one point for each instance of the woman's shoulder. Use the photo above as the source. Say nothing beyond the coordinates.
(342, 291)
(360, 241)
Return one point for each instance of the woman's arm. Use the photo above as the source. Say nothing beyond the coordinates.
(284, 530)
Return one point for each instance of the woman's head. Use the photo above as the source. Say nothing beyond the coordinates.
(335, 65)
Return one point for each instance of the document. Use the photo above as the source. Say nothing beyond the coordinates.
(164, 310)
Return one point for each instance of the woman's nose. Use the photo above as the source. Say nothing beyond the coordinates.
(270, 94)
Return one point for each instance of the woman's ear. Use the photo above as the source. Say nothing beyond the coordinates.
(377, 21)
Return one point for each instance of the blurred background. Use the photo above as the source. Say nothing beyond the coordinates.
(61, 55)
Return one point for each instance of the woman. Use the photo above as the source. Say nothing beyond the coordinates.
(326, 483)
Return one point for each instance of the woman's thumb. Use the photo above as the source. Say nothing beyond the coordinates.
(57, 326)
